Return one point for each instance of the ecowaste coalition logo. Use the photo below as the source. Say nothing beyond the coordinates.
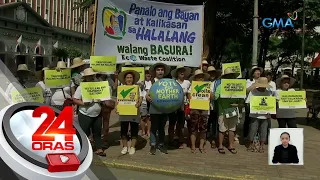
(114, 23)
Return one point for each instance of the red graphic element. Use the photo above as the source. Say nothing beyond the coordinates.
(110, 30)
(62, 162)
(316, 61)
(50, 127)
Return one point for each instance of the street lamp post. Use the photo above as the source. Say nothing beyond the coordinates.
(255, 35)
(302, 46)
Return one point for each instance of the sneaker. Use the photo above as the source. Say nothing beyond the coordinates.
(132, 150)
(163, 149)
(124, 150)
(153, 150)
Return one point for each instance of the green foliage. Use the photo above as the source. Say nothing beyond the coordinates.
(67, 52)
(73, 52)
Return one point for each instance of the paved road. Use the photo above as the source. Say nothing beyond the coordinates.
(104, 173)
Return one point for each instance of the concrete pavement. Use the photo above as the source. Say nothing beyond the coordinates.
(212, 165)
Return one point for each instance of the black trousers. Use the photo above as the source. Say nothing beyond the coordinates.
(94, 123)
(134, 129)
(158, 123)
(247, 121)
(284, 122)
(212, 124)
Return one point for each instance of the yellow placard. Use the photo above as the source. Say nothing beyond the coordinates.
(233, 88)
(200, 95)
(140, 70)
(263, 105)
(95, 91)
(235, 66)
(57, 78)
(126, 100)
(103, 64)
(292, 99)
(34, 94)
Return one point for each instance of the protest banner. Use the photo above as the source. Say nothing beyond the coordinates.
(292, 99)
(200, 95)
(146, 32)
(263, 105)
(27, 95)
(103, 64)
(236, 68)
(233, 88)
(95, 91)
(57, 78)
(140, 70)
(127, 98)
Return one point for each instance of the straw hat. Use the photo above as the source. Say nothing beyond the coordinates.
(228, 71)
(153, 67)
(255, 68)
(88, 72)
(128, 64)
(204, 62)
(262, 82)
(136, 76)
(211, 69)
(23, 67)
(38, 74)
(279, 80)
(61, 65)
(187, 71)
(199, 72)
(76, 62)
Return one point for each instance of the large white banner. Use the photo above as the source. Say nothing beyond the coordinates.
(146, 32)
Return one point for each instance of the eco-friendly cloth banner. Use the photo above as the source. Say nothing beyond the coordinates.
(200, 95)
(233, 88)
(95, 91)
(146, 32)
(263, 105)
(103, 64)
(140, 70)
(27, 95)
(127, 99)
(236, 68)
(292, 99)
(57, 78)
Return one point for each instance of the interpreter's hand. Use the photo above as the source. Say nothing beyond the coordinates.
(149, 99)
(234, 105)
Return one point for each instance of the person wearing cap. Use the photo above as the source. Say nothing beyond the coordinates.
(89, 115)
(254, 74)
(145, 123)
(213, 117)
(130, 78)
(158, 119)
(177, 118)
(198, 118)
(59, 95)
(204, 65)
(47, 93)
(78, 65)
(259, 122)
(228, 113)
(286, 117)
(22, 75)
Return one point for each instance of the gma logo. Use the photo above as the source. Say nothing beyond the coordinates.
(275, 23)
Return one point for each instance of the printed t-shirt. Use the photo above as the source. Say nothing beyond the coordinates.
(284, 113)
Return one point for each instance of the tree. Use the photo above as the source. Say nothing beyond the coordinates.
(60, 53)
(73, 52)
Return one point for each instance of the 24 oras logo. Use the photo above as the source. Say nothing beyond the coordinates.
(114, 22)
(44, 137)
(283, 23)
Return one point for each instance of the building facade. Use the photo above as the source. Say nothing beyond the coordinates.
(33, 28)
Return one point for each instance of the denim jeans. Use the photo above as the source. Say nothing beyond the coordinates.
(158, 123)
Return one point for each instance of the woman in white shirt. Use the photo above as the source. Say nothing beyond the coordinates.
(177, 118)
(45, 91)
(61, 94)
(130, 78)
(285, 117)
(255, 74)
(89, 115)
